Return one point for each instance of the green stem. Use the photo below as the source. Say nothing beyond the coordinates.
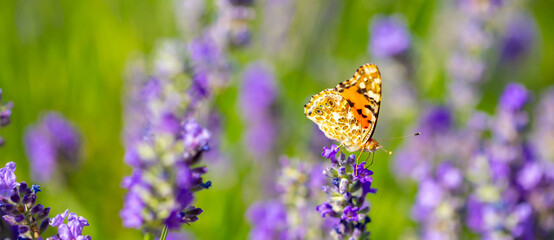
(164, 233)
(148, 236)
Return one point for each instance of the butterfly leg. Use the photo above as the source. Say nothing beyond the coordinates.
(372, 158)
(342, 143)
(365, 146)
(359, 156)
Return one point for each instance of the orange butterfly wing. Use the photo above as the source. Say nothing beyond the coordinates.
(363, 94)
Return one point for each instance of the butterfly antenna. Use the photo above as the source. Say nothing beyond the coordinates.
(412, 135)
(387, 151)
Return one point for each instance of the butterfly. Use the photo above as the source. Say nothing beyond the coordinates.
(348, 113)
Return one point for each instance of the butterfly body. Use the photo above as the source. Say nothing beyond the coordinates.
(348, 113)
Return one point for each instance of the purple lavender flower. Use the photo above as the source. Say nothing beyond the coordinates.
(269, 220)
(518, 38)
(438, 138)
(20, 209)
(258, 94)
(5, 113)
(362, 174)
(195, 138)
(203, 52)
(209, 63)
(325, 209)
(389, 36)
(498, 181)
(22, 212)
(72, 230)
(7, 179)
(165, 146)
(429, 196)
(171, 184)
(346, 202)
(299, 189)
(514, 97)
(350, 214)
(450, 176)
(331, 152)
(50, 143)
(259, 91)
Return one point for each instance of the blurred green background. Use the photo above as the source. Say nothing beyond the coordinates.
(70, 56)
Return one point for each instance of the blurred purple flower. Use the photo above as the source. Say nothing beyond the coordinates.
(174, 185)
(514, 97)
(195, 138)
(269, 220)
(203, 53)
(258, 92)
(429, 195)
(200, 86)
(437, 120)
(299, 190)
(165, 146)
(450, 176)
(51, 143)
(474, 214)
(498, 181)
(389, 36)
(41, 153)
(438, 138)
(518, 38)
(530, 175)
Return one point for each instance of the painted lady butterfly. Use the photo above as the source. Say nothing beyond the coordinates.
(348, 113)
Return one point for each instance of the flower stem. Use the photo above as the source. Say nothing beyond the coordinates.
(164, 233)
(148, 236)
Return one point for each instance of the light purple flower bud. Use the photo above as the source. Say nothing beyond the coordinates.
(7, 179)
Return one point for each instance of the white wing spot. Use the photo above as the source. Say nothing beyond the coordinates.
(362, 85)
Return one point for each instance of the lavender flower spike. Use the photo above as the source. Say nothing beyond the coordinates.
(51, 144)
(349, 185)
(165, 146)
(19, 207)
(291, 216)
